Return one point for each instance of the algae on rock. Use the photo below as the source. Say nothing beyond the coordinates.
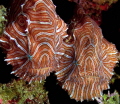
(21, 92)
(3, 13)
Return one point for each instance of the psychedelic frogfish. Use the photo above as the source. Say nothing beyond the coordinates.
(37, 42)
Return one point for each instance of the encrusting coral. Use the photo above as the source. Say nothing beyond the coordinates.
(94, 8)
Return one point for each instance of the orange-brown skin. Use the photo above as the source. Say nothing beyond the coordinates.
(95, 59)
(31, 38)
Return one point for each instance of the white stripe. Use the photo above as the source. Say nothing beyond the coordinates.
(46, 23)
(82, 91)
(4, 41)
(20, 67)
(20, 33)
(15, 42)
(73, 91)
(43, 43)
(60, 53)
(16, 58)
(62, 71)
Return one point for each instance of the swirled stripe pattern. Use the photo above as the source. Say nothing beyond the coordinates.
(95, 59)
(65, 59)
(32, 37)
(36, 43)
